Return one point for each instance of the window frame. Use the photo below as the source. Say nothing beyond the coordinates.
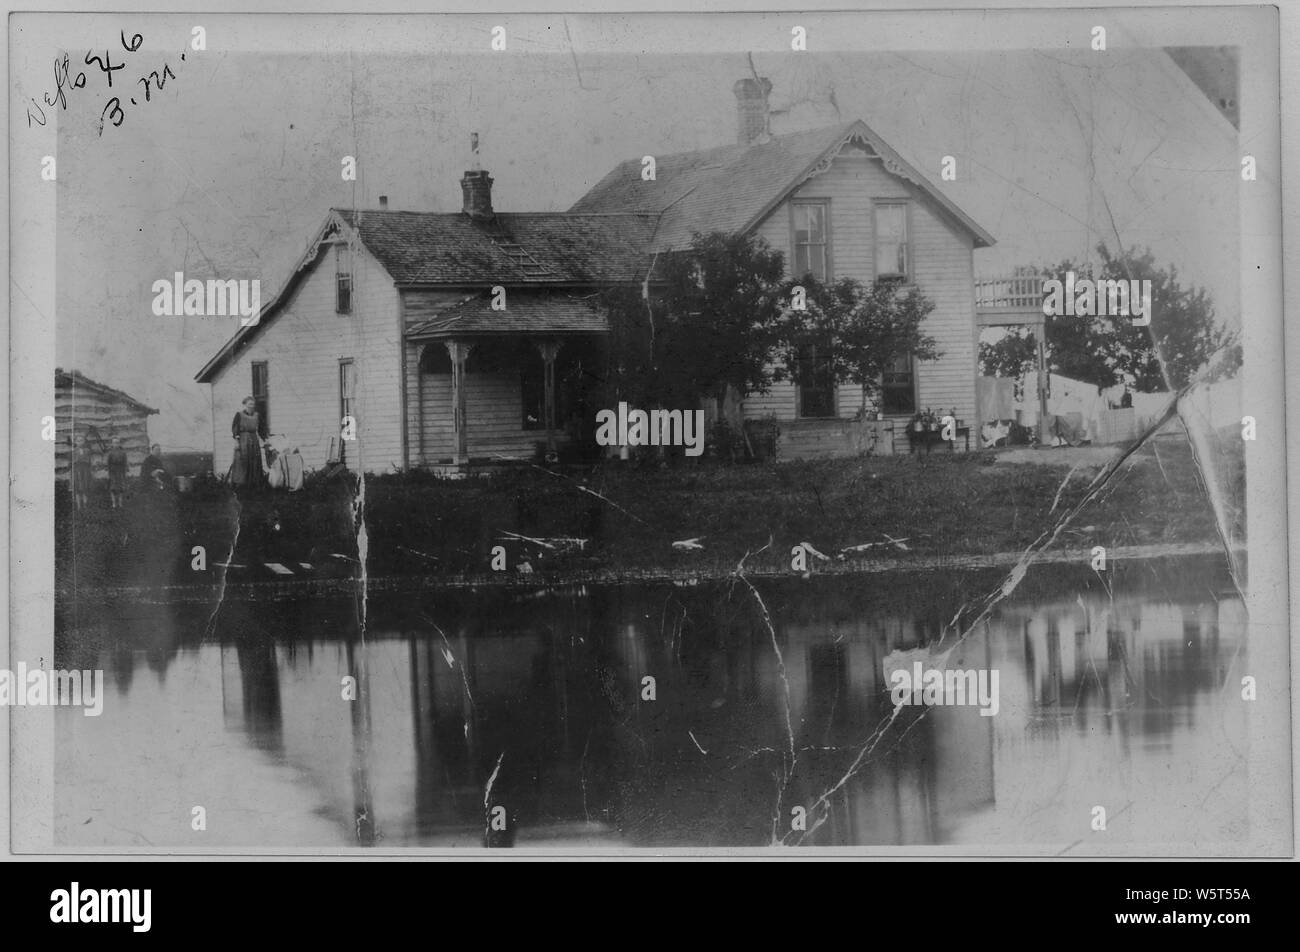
(801, 385)
(342, 278)
(909, 264)
(885, 389)
(827, 251)
(262, 395)
(347, 403)
(532, 383)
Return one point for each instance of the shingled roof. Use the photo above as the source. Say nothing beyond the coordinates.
(429, 249)
(607, 237)
(732, 188)
(524, 314)
(432, 248)
(66, 379)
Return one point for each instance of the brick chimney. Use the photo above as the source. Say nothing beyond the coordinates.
(751, 109)
(476, 186)
(383, 202)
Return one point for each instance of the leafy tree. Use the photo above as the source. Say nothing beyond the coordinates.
(1183, 339)
(721, 304)
(709, 324)
(856, 330)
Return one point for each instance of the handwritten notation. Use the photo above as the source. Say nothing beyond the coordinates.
(102, 64)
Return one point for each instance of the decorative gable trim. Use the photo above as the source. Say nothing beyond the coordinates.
(334, 226)
(860, 134)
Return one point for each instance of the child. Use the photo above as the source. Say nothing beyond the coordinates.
(83, 468)
(117, 473)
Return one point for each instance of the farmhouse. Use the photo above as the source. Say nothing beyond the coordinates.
(86, 407)
(450, 338)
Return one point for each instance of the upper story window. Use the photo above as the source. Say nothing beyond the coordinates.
(811, 240)
(342, 279)
(893, 252)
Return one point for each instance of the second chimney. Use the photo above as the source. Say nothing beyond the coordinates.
(476, 186)
(383, 201)
(751, 109)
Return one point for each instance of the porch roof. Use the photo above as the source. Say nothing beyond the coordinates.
(531, 315)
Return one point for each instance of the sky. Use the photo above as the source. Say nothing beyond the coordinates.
(230, 169)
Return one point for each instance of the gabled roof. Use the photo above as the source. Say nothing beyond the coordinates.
(70, 378)
(607, 236)
(544, 313)
(556, 248)
(734, 187)
(430, 249)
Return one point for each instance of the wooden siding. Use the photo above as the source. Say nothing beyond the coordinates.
(493, 410)
(76, 409)
(302, 350)
(942, 267)
(420, 306)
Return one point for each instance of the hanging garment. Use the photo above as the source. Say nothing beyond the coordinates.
(277, 474)
(294, 470)
(997, 397)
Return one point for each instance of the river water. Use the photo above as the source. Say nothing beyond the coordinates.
(703, 715)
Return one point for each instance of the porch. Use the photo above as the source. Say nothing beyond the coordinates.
(509, 384)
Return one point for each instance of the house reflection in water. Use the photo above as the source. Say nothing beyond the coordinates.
(1114, 701)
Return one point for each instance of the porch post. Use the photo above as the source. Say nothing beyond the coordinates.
(459, 351)
(1044, 430)
(549, 350)
(419, 402)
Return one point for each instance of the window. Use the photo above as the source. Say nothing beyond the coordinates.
(260, 394)
(347, 408)
(532, 389)
(342, 279)
(811, 240)
(816, 384)
(898, 391)
(892, 259)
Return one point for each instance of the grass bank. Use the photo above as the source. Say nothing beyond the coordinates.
(623, 520)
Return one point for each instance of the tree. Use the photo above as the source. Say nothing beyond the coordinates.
(722, 303)
(1014, 355)
(1181, 342)
(858, 331)
(709, 325)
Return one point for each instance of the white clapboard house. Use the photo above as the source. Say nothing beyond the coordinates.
(387, 319)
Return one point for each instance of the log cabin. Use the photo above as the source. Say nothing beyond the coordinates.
(83, 406)
(451, 338)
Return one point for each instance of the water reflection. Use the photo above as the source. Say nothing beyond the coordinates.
(1112, 693)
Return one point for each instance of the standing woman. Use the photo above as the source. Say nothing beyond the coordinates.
(83, 470)
(246, 428)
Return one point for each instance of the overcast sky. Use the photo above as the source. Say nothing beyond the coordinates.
(232, 167)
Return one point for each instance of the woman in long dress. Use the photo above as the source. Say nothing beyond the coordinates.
(246, 428)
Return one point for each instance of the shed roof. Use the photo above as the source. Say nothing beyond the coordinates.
(539, 314)
(70, 378)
